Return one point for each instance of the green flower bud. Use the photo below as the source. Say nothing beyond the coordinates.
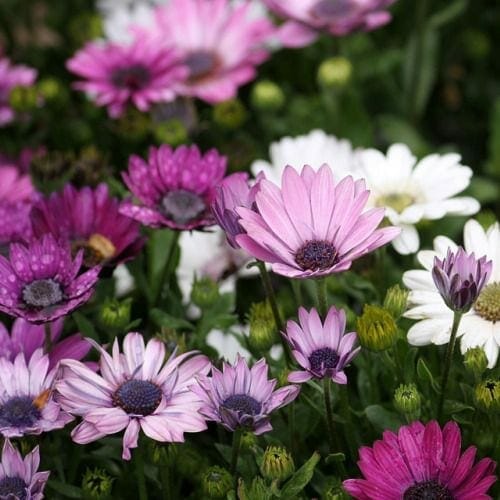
(376, 328)
(334, 72)
(205, 292)
(229, 114)
(134, 124)
(97, 484)
(277, 464)
(51, 89)
(407, 400)
(115, 315)
(267, 96)
(171, 132)
(262, 326)
(84, 27)
(334, 491)
(23, 99)
(216, 482)
(248, 440)
(396, 300)
(487, 395)
(475, 361)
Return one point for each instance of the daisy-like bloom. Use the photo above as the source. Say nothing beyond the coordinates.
(412, 191)
(19, 477)
(90, 219)
(27, 405)
(141, 73)
(311, 227)
(175, 187)
(242, 397)
(478, 327)
(135, 390)
(421, 461)
(12, 76)
(40, 281)
(315, 149)
(322, 350)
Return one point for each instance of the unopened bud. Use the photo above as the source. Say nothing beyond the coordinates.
(407, 400)
(277, 464)
(376, 328)
(205, 292)
(115, 315)
(267, 96)
(229, 114)
(51, 89)
(248, 440)
(475, 361)
(171, 132)
(396, 300)
(97, 484)
(487, 395)
(216, 482)
(262, 326)
(23, 99)
(334, 72)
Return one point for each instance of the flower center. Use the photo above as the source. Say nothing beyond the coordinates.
(19, 411)
(42, 293)
(316, 255)
(200, 63)
(13, 487)
(488, 303)
(96, 250)
(427, 490)
(183, 206)
(138, 397)
(133, 77)
(324, 358)
(243, 404)
(396, 201)
(331, 9)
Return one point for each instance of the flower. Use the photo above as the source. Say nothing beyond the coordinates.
(311, 227)
(135, 390)
(421, 461)
(321, 349)
(242, 397)
(116, 75)
(460, 277)
(40, 281)
(12, 76)
(27, 405)
(338, 18)
(478, 327)
(315, 149)
(90, 219)
(19, 478)
(175, 187)
(412, 191)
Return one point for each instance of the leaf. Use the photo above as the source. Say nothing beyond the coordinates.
(85, 326)
(300, 479)
(163, 319)
(67, 490)
(493, 165)
(383, 419)
(483, 189)
(450, 12)
(425, 374)
(257, 491)
(452, 407)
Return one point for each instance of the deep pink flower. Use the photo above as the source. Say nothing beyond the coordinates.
(115, 75)
(421, 461)
(175, 187)
(90, 220)
(135, 390)
(312, 227)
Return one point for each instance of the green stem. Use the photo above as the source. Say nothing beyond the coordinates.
(235, 451)
(166, 267)
(141, 479)
(291, 427)
(297, 292)
(322, 297)
(47, 343)
(166, 484)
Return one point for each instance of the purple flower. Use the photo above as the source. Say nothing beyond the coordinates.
(175, 187)
(40, 282)
(421, 461)
(91, 220)
(19, 479)
(242, 397)
(323, 350)
(115, 75)
(136, 390)
(460, 277)
(312, 227)
(26, 398)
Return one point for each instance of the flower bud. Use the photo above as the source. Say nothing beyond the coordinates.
(190, 463)
(133, 124)
(216, 482)
(407, 400)
(229, 114)
(396, 300)
(376, 328)
(97, 484)
(51, 89)
(475, 361)
(262, 326)
(277, 464)
(171, 132)
(115, 315)
(23, 98)
(267, 96)
(487, 395)
(248, 440)
(334, 72)
(205, 292)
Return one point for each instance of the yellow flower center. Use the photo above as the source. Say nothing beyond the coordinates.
(488, 303)
(397, 201)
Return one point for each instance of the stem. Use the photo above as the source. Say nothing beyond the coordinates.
(457, 316)
(235, 451)
(47, 343)
(297, 292)
(141, 479)
(291, 428)
(322, 297)
(165, 481)
(166, 267)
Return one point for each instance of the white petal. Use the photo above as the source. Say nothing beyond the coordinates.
(408, 241)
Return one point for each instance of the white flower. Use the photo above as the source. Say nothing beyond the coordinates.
(413, 191)
(481, 325)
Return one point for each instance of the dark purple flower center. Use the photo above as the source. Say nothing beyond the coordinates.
(13, 487)
(323, 359)
(138, 397)
(316, 255)
(243, 404)
(200, 63)
(19, 411)
(428, 490)
(183, 206)
(133, 77)
(327, 10)
(42, 293)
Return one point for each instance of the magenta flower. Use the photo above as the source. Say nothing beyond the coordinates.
(421, 461)
(27, 405)
(322, 350)
(311, 227)
(242, 397)
(19, 477)
(115, 75)
(12, 76)
(90, 220)
(175, 187)
(136, 390)
(460, 277)
(40, 282)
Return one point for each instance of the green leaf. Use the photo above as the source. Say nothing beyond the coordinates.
(425, 374)
(163, 319)
(67, 490)
(301, 478)
(335, 458)
(452, 407)
(85, 326)
(483, 189)
(450, 12)
(383, 419)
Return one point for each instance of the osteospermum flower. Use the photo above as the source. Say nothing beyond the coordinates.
(27, 405)
(322, 350)
(175, 187)
(140, 73)
(412, 191)
(478, 327)
(135, 390)
(242, 397)
(40, 281)
(90, 220)
(311, 227)
(421, 461)
(19, 477)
